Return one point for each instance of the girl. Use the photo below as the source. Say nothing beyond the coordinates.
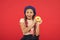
(29, 26)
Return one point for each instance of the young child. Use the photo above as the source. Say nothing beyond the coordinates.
(29, 26)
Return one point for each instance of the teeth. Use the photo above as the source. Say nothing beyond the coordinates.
(28, 16)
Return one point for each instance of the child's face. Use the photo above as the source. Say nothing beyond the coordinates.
(29, 13)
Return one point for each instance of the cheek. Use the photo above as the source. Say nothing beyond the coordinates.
(26, 14)
(32, 14)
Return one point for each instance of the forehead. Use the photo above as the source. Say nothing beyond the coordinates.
(29, 10)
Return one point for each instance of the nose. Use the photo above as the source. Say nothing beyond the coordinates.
(29, 13)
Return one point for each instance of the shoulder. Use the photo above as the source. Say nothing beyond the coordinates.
(21, 20)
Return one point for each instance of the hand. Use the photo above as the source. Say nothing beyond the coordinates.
(32, 24)
(38, 19)
(39, 22)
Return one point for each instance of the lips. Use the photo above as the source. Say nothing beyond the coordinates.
(29, 16)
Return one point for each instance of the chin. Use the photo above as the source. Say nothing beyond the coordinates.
(29, 18)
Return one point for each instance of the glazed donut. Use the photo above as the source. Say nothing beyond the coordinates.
(37, 18)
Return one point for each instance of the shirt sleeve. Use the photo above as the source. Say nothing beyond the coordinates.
(21, 20)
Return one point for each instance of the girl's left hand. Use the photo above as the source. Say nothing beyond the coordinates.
(38, 23)
(38, 19)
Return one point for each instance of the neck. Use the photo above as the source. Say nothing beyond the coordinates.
(29, 19)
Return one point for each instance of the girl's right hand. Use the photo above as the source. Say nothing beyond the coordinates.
(33, 23)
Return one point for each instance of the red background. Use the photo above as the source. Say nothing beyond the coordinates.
(12, 10)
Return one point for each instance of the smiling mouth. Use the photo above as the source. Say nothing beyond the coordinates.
(29, 16)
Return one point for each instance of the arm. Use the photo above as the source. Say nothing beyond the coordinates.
(37, 27)
(24, 28)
